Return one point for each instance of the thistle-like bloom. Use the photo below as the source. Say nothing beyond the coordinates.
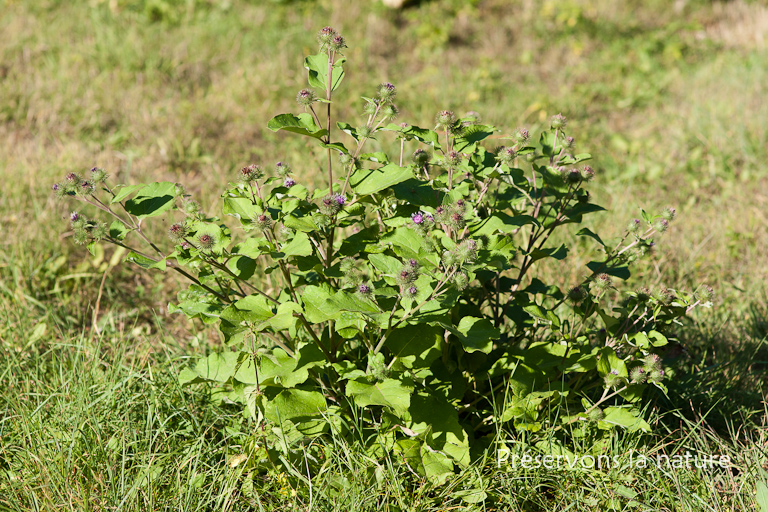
(634, 226)
(521, 136)
(669, 214)
(337, 44)
(178, 232)
(340, 199)
(705, 293)
(661, 225)
(410, 292)
(74, 216)
(612, 379)
(638, 375)
(282, 169)
(386, 92)
(206, 241)
(306, 97)
(417, 218)
(365, 289)
(289, 182)
(587, 173)
(603, 282)
(324, 37)
(251, 173)
(263, 222)
(577, 294)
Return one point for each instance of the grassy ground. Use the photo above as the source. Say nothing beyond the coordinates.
(668, 96)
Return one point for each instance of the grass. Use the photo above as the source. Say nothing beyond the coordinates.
(669, 100)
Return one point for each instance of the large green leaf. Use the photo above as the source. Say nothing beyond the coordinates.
(626, 418)
(153, 199)
(317, 65)
(318, 306)
(299, 246)
(477, 334)
(370, 181)
(433, 416)
(123, 191)
(303, 124)
(391, 393)
(215, 367)
(416, 345)
(145, 262)
(294, 405)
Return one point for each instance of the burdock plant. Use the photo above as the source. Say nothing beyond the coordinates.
(411, 301)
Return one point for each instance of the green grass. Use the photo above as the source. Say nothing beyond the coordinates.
(669, 100)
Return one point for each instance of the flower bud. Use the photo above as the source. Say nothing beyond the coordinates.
(558, 121)
(386, 92)
(407, 275)
(86, 187)
(179, 190)
(251, 174)
(345, 159)
(262, 222)
(191, 207)
(410, 292)
(669, 214)
(338, 43)
(206, 241)
(370, 108)
(596, 414)
(81, 236)
(389, 111)
(420, 157)
(643, 294)
(661, 225)
(705, 293)
(663, 295)
(656, 376)
(577, 294)
(329, 206)
(365, 289)
(445, 119)
(506, 155)
(651, 362)
(602, 282)
(638, 375)
(364, 132)
(587, 173)
(612, 379)
(634, 226)
(98, 175)
(305, 97)
(325, 36)
(521, 136)
(461, 281)
(100, 231)
(282, 169)
(177, 232)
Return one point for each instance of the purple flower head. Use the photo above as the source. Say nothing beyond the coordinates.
(74, 216)
(364, 289)
(55, 187)
(413, 263)
(417, 218)
(72, 177)
(340, 199)
(289, 182)
(413, 290)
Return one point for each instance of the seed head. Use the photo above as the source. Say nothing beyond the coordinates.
(643, 294)
(324, 37)
(73, 178)
(100, 231)
(191, 207)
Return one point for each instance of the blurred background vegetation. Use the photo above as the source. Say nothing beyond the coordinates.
(670, 97)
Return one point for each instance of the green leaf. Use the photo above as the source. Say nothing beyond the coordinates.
(415, 345)
(477, 334)
(295, 405)
(123, 191)
(215, 367)
(345, 301)
(317, 65)
(435, 417)
(303, 124)
(118, 231)
(153, 199)
(500, 222)
(299, 246)
(145, 262)
(762, 496)
(558, 253)
(599, 266)
(609, 361)
(438, 467)
(370, 181)
(626, 418)
(304, 224)
(385, 264)
(318, 306)
(389, 392)
(590, 234)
